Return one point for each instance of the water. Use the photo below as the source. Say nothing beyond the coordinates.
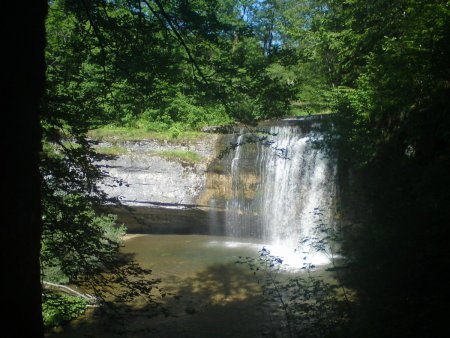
(293, 184)
(278, 194)
(215, 296)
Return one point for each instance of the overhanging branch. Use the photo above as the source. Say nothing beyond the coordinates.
(174, 29)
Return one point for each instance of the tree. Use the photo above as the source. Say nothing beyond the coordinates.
(22, 87)
(79, 243)
(392, 124)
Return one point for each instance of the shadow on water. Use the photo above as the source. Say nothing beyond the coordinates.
(221, 301)
(214, 297)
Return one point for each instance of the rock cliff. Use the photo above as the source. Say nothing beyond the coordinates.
(141, 175)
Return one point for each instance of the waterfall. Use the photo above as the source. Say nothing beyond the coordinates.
(293, 194)
(235, 205)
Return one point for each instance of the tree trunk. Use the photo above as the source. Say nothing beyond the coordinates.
(22, 84)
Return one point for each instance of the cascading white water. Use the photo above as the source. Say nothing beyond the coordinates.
(235, 205)
(293, 198)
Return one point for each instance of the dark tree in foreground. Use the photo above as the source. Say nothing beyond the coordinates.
(393, 146)
(22, 84)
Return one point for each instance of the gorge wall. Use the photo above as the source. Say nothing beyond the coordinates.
(156, 193)
(269, 183)
(143, 175)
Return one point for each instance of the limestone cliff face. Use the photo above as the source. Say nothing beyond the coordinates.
(225, 178)
(139, 176)
(160, 195)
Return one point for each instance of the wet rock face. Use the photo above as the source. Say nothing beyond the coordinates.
(139, 176)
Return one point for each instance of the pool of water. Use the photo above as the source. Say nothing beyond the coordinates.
(215, 296)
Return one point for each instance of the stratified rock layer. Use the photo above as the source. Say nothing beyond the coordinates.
(140, 176)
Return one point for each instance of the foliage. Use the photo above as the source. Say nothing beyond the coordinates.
(152, 131)
(301, 304)
(75, 240)
(113, 150)
(59, 309)
(136, 69)
(78, 242)
(392, 122)
(193, 63)
(186, 156)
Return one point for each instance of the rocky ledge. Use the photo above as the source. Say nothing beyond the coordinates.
(141, 176)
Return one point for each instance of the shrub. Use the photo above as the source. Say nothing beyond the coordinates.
(59, 309)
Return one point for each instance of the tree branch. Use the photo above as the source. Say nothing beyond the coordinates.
(177, 35)
(89, 298)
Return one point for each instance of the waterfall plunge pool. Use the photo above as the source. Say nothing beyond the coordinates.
(277, 186)
(278, 196)
(185, 254)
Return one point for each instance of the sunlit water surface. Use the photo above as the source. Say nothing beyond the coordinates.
(218, 297)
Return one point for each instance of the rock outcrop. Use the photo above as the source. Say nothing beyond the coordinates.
(139, 176)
